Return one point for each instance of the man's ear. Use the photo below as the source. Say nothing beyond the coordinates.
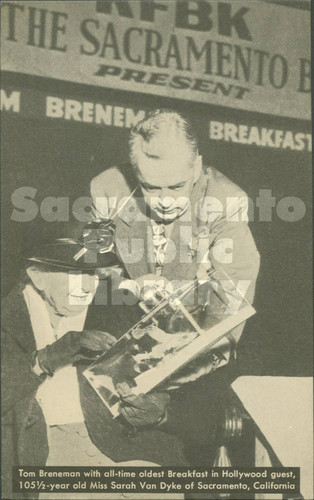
(37, 277)
(198, 165)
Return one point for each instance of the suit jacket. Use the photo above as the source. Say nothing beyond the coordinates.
(217, 214)
(24, 435)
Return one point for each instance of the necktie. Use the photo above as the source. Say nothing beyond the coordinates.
(160, 241)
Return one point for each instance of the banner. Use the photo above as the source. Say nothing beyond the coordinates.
(234, 54)
(30, 103)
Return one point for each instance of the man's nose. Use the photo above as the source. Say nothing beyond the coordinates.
(166, 199)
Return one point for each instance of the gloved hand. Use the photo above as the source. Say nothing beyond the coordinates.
(143, 410)
(70, 348)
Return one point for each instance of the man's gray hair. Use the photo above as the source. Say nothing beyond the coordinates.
(161, 121)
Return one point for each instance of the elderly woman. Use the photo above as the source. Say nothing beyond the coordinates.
(51, 415)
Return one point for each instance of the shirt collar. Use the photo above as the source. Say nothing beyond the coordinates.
(43, 332)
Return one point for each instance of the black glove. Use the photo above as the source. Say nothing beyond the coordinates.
(70, 348)
(145, 410)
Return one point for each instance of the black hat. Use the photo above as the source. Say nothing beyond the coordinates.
(73, 245)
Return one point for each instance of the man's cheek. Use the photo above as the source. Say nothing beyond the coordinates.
(152, 200)
(66, 300)
(151, 203)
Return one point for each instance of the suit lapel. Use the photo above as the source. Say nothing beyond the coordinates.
(134, 240)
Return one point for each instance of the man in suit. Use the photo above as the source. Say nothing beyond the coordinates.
(176, 218)
(50, 413)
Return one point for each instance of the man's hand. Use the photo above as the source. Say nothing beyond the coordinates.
(194, 370)
(70, 348)
(143, 410)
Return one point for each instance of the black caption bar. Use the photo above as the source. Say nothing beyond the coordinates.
(157, 479)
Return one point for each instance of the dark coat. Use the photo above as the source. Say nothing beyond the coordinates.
(24, 436)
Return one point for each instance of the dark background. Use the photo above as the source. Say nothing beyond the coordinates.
(60, 157)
